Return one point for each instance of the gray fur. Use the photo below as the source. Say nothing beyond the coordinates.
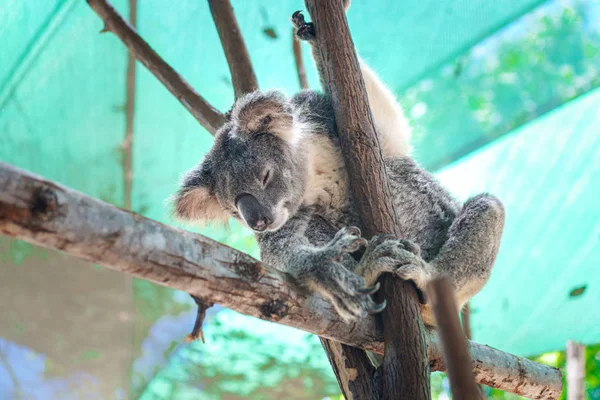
(296, 140)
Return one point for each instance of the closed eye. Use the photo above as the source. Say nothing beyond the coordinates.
(267, 175)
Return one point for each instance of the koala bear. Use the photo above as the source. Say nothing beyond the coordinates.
(276, 166)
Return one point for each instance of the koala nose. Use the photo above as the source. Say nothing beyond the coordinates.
(262, 224)
(256, 216)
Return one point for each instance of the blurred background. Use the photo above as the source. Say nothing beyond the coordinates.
(503, 97)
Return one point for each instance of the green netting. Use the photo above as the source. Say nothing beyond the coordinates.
(545, 287)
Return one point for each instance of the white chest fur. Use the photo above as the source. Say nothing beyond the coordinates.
(327, 183)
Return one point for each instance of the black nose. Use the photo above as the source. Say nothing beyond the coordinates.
(255, 214)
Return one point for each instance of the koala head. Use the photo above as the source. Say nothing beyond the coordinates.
(254, 171)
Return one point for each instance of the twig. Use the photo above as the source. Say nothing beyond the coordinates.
(197, 332)
(238, 59)
(404, 368)
(454, 343)
(465, 316)
(209, 117)
(49, 215)
(130, 95)
(297, 47)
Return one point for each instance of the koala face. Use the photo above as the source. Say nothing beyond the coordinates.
(254, 171)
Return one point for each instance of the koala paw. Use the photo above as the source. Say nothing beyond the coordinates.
(347, 292)
(304, 30)
(346, 240)
(386, 253)
(343, 288)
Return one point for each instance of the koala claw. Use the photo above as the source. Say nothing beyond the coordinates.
(419, 274)
(369, 290)
(304, 30)
(386, 253)
(379, 308)
(346, 240)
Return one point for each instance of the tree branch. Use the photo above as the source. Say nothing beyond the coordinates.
(456, 354)
(297, 48)
(49, 215)
(238, 59)
(209, 117)
(404, 369)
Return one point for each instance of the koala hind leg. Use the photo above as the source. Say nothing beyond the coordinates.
(468, 255)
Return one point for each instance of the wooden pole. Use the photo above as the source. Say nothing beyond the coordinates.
(575, 371)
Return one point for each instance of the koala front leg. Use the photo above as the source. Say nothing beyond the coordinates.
(324, 268)
(321, 269)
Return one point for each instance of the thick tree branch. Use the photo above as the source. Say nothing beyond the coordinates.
(209, 117)
(404, 369)
(238, 59)
(50, 215)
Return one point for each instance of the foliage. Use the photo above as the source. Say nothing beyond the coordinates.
(541, 61)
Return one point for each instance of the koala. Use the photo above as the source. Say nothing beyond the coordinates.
(276, 166)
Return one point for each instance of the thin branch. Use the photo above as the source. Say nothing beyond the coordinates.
(49, 215)
(465, 317)
(209, 117)
(127, 144)
(238, 59)
(404, 368)
(197, 332)
(454, 343)
(297, 47)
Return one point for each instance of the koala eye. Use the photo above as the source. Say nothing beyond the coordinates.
(266, 177)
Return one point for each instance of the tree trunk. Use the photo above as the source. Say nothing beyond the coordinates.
(404, 369)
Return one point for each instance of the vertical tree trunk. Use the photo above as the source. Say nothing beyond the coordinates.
(404, 372)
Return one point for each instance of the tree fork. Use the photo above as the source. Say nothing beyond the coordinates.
(404, 368)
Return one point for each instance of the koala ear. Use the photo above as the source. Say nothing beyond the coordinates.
(195, 201)
(265, 112)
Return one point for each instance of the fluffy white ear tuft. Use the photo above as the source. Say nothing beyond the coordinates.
(198, 205)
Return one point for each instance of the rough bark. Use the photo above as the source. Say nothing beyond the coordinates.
(49, 215)
(209, 117)
(575, 371)
(404, 368)
(454, 343)
(242, 74)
